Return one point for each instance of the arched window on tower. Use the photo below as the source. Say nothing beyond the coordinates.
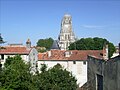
(65, 37)
(68, 37)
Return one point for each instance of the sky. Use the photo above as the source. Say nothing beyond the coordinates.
(39, 19)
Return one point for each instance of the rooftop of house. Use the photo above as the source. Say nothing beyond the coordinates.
(14, 49)
(70, 54)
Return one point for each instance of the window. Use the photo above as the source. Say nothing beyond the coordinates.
(2, 56)
(74, 62)
(34, 59)
(68, 37)
(99, 82)
(84, 62)
(65, 37)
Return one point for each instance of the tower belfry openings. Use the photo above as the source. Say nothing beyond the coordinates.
(66, 35)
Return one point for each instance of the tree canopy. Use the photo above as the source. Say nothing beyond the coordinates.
(92, 44)
(47, 43)
(56, 78)
(16, 76)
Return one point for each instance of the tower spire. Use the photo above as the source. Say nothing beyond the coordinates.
(1, 39)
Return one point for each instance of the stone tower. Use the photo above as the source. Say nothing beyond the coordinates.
(66, 35)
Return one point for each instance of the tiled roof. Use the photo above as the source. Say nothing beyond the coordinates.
(55, 55)
(69, 55)
(14, 50)
(82, 54)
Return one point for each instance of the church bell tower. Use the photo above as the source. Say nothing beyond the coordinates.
(66, 36)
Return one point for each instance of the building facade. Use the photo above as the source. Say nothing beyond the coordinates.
(102, 74)
(75, 61)
(66, 36)
(27, 53)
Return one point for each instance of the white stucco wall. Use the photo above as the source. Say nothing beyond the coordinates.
(24, 57)
(79, 70)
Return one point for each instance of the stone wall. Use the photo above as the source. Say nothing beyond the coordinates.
(95, 67)
(112, 74)
(103, 73)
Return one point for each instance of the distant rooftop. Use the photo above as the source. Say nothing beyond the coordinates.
(55, 45)
(15, 44)
(14, 50)
(70, 54)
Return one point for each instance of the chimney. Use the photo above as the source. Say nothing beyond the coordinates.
(105, 52)
(49, 53)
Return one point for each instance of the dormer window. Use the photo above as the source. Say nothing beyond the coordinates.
(68, 53)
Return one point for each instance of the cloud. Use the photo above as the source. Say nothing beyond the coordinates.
(92, 26)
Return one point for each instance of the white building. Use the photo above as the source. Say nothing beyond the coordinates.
(66, 36)
(27, 53)
(73, 60)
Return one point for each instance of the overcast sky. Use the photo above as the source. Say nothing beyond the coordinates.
(36, 19)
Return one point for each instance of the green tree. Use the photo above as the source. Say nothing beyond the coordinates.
(16, 75)
(43, 68)
(92, 44)
(47, 43)
(56, 78)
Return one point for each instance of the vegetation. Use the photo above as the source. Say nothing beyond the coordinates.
(56, 78)
(16, 76)
(41, 50)
(92, 44)
(47, 43)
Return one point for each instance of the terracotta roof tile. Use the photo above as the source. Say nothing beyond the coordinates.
(72, 54)
(82, 54)
(14, 50)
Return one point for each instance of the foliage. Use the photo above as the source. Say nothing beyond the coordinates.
(47, 43)
(43, 68)
(57, 78)
(41, 50)
(111, 49)
(16, 75)
(92, 44)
